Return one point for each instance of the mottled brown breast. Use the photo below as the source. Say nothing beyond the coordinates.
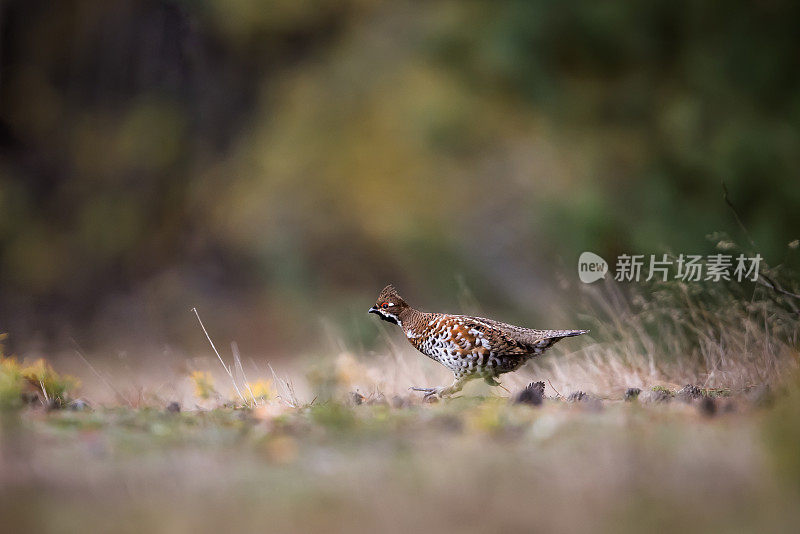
(463, 345)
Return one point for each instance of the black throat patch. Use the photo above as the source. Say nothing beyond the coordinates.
(388, 318)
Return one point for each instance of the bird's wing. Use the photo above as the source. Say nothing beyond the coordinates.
(517, 339)
(476, 333)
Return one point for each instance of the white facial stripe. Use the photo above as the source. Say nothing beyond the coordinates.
(390, 316)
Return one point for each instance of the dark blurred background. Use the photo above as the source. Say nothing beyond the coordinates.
(275, 163)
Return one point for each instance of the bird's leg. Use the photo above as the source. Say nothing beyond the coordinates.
(444, 391)
(429, 392)
(455, 387)
(493, 382)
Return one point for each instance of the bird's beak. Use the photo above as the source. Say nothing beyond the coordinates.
(372, 310)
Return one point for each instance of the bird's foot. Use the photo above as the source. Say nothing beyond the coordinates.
(429, 392)
(440, 392)
(444, 391)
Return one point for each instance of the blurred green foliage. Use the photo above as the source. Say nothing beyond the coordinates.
(782, 434)
(665, 100)
(11, 380)
(279, 160)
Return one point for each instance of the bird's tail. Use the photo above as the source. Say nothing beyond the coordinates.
(558, 334)
(547, 338)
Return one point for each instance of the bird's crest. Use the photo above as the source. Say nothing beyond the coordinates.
(389, 292)
(390, 295)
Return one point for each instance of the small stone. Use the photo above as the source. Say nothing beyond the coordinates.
(586, 400)
(577, 396)
(632, 394)
(173, 407)
(532, 394)
(656, 395)
(54, 403)
(357, 398)
(690, 393)
(538, 386)
(79, 405)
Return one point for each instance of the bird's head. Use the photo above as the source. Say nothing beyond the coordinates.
(389, 305)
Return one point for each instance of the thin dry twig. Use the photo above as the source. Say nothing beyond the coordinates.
(238, 361)
(97, 373)
(554, 389)
(227, 368)
(44, 392)
(290, 398)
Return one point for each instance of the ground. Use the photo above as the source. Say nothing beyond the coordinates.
(611, 440)
(469, 464)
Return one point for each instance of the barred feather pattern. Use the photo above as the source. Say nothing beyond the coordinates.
(476, 346)
(471, 347)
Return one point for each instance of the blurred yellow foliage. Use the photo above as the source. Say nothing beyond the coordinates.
(10, 382)
(41, 375)
(203, 384)
(782, 432)
(262, 389)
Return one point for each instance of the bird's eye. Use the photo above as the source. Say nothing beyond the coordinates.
(385, 305)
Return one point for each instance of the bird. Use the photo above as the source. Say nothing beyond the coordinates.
(471, 347)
